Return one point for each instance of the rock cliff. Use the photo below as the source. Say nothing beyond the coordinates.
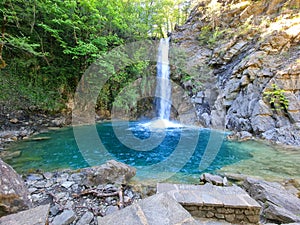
(246, 55)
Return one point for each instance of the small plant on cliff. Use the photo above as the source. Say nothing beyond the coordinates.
(276, 98)
(210, 36)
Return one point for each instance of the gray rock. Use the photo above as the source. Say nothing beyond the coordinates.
(65, 218)
(278, 205)
(262, 123)
(213, 179)
(34, 216)
(158, 209)
(112, 172)
(289, 135)
(48, 175)
(67, 184)
(111, 209)
(76, 177)
(62, 178)
(13, 192)
(54, 210)
(86, 218)
(32, 177)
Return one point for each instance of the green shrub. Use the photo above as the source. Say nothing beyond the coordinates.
(276, 98)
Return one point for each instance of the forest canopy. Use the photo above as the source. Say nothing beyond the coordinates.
(46, 45)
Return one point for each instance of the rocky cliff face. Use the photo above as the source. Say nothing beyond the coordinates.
(247, 57)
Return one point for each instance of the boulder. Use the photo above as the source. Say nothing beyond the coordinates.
(112, 172)
(13, 191)
(26, 217)
(278, 205)
(157, 209)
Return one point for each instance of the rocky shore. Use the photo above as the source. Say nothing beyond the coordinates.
(95, 194)
(21, 124)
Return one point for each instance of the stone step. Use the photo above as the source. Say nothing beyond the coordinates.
(158, 209)
(232, 203)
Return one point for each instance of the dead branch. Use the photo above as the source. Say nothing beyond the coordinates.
(96, 193)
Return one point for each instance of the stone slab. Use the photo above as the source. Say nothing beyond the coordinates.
(208, 194)
(158, 209)
(34, 216)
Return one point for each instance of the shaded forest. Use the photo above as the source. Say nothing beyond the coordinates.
(45, 46)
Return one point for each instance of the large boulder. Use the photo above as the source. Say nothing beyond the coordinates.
(33, 216)
(14, 196)
(112, 172)
(278, 205)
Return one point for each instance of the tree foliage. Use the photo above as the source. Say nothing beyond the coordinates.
(46, 45)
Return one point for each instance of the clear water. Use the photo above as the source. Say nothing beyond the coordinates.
(59, 150)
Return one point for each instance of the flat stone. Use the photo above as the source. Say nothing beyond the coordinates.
(212, 201)
(34, 216)
(157, 209)
(208, 195)
(67, 184)
(65, 218)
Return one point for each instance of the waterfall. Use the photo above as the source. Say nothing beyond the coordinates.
(163, 86)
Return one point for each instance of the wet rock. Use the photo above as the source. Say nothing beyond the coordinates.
(13, 192)
(278, 205)
(112, 172)
(65, 218)
(34, 216)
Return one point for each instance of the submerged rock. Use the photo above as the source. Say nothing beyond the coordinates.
(278, 205)
(13, 191)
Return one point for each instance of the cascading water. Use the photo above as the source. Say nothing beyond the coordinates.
(163, 86)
